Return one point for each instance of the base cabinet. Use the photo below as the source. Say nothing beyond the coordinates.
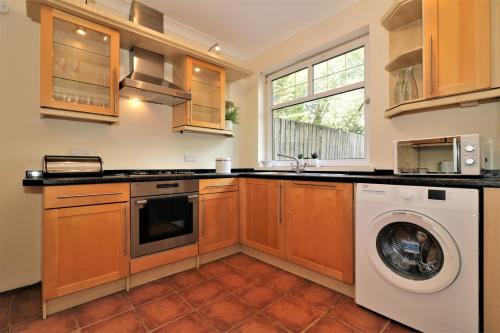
(261, 215)
(85, 237)
(218, 221)
(84, 247)
(491, 262)
(319, 227)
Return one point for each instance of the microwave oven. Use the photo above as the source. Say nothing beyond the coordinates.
(450, 155)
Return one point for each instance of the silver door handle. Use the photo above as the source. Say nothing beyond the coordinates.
(125, 243)
(141, 202)
(315, 185)
(226, 185)
(88, 195)
(430, 64)
(194, 196)
(115, 90)
(203, 216)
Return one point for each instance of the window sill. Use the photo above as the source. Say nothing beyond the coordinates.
(343, 168)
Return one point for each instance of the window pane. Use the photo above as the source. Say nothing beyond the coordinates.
(290, 87)
(332, 126)
(355, 74)
(320, 70)
(336, 64)
(321, 84)
(342, 70)
(355, 58)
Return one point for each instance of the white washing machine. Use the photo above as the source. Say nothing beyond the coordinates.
(417, 255)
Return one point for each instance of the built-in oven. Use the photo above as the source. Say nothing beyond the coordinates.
(164, 215)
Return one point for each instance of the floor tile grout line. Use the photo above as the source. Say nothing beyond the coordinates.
(136, 313)
(106, 318)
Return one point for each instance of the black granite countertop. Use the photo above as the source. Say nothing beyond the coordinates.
(380, 177)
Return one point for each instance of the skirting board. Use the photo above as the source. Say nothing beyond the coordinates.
(319, 278)
(68, 301)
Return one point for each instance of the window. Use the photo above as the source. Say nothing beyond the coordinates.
(318, 106)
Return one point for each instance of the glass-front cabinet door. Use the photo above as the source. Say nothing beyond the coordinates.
(207, 85)
(79, 64)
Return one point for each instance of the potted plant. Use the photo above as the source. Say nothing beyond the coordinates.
(232, 115)
(301, 158)
(314, 159)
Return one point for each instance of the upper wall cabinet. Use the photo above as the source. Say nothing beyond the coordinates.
(442, 52)
(79, 68)
(458, 46)
(206, 110)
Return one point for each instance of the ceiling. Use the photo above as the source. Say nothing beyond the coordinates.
(244, 28)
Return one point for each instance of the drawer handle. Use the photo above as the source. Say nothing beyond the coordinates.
(87, 195)
(225, 185)
(314, 185)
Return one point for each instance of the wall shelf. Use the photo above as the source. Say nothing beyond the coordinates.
(132, 34)
(402, 12)
(406, 59)
(418, 105)
(203, 130)
(77, 115)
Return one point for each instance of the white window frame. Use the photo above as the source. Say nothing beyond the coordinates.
(309, 63)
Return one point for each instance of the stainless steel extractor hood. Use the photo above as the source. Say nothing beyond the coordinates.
(146, 82)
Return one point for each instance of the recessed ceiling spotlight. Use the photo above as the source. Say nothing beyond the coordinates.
(197, 69)
(81, 31)
(214, 48)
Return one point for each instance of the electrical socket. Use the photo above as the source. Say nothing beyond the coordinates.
(81, 152)
(189, 158)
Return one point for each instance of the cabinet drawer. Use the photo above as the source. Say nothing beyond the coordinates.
(218, 185)
(82, 195)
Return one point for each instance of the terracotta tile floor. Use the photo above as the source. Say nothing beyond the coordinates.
(235, 294)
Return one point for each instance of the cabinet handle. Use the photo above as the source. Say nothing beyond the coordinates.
(125, 238)
(115, 90)
(203, 216)
(87, 195)
(430, 65)
(315, 185)
(225, 185)
(280, 215)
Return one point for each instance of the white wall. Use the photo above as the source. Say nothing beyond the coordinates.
(143, 139)
(365, 15)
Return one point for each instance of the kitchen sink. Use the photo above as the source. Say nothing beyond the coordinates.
(286, 173)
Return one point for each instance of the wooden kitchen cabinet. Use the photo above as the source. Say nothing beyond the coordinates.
(206, 82)
(491, 262)
(218, 221)
(261, 215)
(453, 48)
(87, 245)
(457, 46)
(319, 227)
(79, 67)
(218, 214)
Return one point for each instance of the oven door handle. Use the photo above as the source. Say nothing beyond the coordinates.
(192, 197)
(141, 202)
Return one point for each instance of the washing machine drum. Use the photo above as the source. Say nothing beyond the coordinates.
(413, 252)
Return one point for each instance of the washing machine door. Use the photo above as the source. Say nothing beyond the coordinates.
(413, 252)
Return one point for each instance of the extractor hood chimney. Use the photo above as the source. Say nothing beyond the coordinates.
(146, 82)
